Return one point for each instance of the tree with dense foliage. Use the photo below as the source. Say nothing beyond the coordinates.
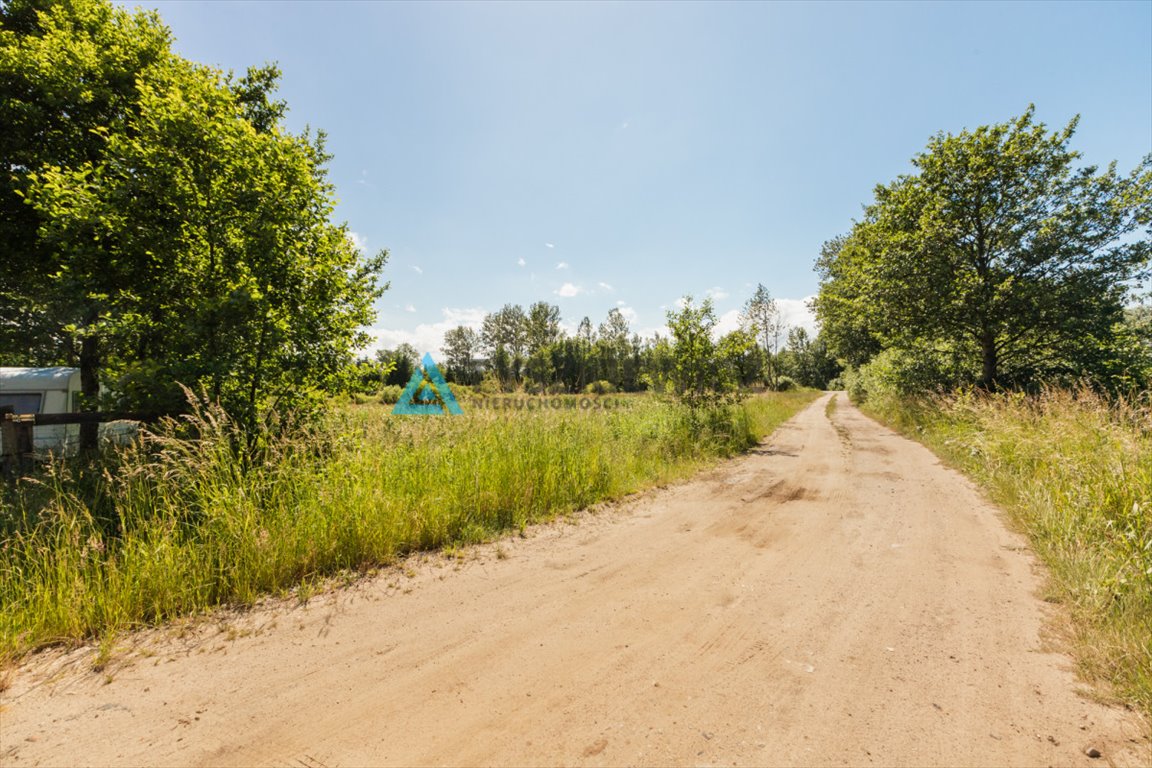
(160, 225)
(807, 361)
(698, 378)
(996, 257)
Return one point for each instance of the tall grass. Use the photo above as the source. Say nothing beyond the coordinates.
(177, 524)
(1075, 472)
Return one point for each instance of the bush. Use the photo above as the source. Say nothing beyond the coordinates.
(897, 373)
(785, 383)
(390, 395)
(600, 387)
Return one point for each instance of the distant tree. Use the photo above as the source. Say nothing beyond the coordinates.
(612, 348)
(402, 361)
(697, 377)
(762, 316)
(659, 366)
(539, 368)
(507, 328)
(996, 250)
(462, 350)
(807, 360)
(737, 350)
(541, 327)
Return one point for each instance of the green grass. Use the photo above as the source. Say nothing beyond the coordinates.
(176, 526)
(1074, 471)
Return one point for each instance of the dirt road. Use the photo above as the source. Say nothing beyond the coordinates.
(836, 597)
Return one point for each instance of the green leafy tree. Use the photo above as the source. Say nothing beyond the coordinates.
(739, 352)
(997, 250)
(613, 348)
(762, 317)
(401, 362)
(698, 378)
(462, 349)
(187, 237)
(541, 327)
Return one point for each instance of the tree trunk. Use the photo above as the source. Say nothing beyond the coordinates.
(90, 391)
(988, 350)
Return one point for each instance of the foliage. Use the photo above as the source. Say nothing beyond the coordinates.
(171, 231)
(461, 355)
(996, 251)
(808, 361)
(699, 378)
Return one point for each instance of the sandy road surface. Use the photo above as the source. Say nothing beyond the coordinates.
(836, 597)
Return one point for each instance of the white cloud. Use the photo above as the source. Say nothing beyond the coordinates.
(727, 322)
(716, 294)
(605, 286)
(629, 314)
(520, 261)
(410, 308)
(359, 241)
(426, 337)
(795, 313)
(621, 303)
(549, 245)
(568, 290)
(417, 270)
(562, 265)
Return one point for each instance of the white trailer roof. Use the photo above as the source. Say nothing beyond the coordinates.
(36, 379)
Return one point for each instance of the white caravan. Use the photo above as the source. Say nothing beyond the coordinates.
(44, 390)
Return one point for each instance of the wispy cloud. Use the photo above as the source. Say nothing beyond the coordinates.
(568, 290)
(605, 286)
(520, 261)
(562, 265)
(549, 245)
(358, 240)
(716, 294)
(409, 308)
(417, 270)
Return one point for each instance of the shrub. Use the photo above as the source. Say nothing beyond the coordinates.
(390, 395)
(600, 387)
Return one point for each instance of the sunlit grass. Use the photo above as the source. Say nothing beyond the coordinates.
(182, 525)
(1075, 472)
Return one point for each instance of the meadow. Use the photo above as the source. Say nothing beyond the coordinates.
(197, 514)
(1074, 472)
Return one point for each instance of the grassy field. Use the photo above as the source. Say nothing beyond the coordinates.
(176, 526)
(1075, 473)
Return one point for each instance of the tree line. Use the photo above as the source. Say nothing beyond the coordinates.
(529, 349)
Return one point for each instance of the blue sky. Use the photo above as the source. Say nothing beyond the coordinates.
(601, 154)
